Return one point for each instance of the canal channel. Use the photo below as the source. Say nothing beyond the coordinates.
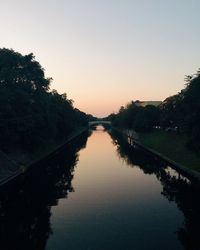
(98, 193)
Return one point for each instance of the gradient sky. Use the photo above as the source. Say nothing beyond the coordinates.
(105, 53)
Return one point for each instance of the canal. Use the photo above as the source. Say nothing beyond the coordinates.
(98, 193)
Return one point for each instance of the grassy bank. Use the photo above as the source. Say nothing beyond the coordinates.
(25, 159)
(173, 146)
(18, 162)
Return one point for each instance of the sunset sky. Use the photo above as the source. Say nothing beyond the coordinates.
(105, 53)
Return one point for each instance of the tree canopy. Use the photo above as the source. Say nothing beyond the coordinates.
(29, 112)
(180, 112)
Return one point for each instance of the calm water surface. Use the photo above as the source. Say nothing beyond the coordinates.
(105, 196)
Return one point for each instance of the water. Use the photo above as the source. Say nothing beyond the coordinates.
(100, 194)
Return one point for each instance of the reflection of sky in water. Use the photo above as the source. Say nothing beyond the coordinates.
(174, 173)
(114, 206)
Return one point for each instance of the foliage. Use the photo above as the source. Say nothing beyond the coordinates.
(147, 118)
(183, 110)
(191, 103)
(134, 116)
(30, 113)
(179, 113)
(171, 115)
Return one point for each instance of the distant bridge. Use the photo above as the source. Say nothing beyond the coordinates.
(99, 122)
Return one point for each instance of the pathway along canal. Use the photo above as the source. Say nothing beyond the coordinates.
(99, 194)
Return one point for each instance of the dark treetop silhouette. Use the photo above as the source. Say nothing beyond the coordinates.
(30, 114)
(179, 112)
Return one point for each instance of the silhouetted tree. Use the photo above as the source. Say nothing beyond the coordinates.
(31, 114)
(147, 118)
(179, 112)
(191, 105)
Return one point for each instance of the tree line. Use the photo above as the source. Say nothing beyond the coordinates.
(179, 113)
(30, 113)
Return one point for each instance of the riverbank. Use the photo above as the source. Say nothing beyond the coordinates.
(54, 148)
(26, 161)
(171, 148)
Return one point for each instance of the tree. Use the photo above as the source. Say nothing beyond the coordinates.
(23, 71)
(171, 111)
(146, 118)
(191, 105)
(30, 113)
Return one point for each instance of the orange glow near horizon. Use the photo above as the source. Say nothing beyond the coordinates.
(104, 54)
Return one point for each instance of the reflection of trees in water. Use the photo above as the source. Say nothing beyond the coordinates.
(25, 209)
(175, 188)
(135, 157)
